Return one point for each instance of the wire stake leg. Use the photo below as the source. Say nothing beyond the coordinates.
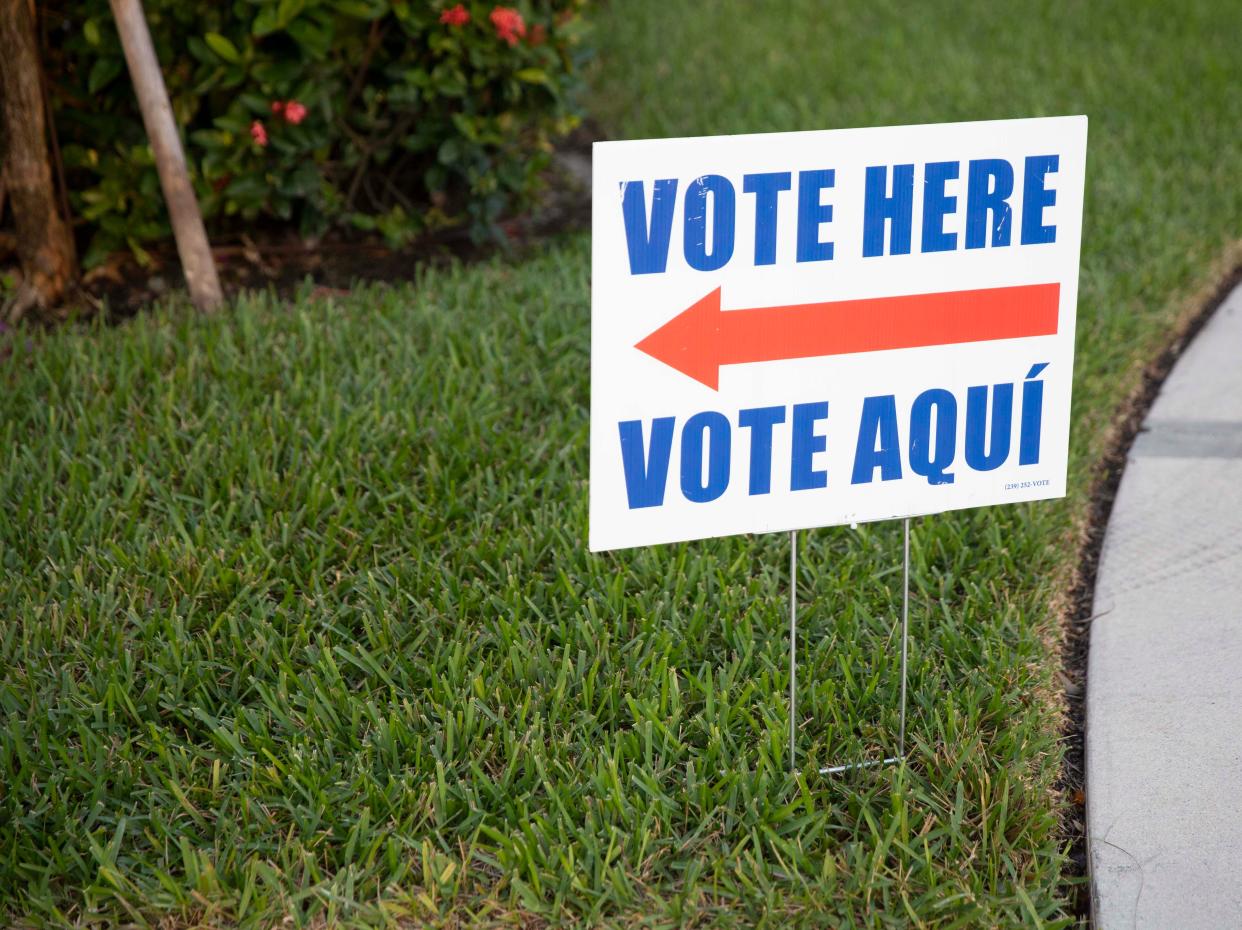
(793, 645)
(905, 637)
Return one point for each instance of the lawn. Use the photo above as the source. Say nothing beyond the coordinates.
(299, 622)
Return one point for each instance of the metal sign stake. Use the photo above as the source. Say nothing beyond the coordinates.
(793, 644)
(793, 659)
(905, 634)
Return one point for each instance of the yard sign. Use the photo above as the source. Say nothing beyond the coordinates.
(813, 328)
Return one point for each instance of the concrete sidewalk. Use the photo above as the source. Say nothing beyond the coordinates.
(1164, 680)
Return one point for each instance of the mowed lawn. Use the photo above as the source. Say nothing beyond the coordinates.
(298, 621)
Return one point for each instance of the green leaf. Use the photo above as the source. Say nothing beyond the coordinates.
(532, 75)
(102, 73)
(317, 41)
(255, 103)
(267, 21)
(248, 187)
(223, 47)
(235, 122)
(198, 48)
(141, 254)
(91, 31)
(359, 9)
(212, 139)
(450, 151)
(289, 10)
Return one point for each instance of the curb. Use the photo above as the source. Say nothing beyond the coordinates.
(1164, 690)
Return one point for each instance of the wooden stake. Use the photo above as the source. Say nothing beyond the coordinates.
(157, 116)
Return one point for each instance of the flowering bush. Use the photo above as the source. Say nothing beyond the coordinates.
(396, 115)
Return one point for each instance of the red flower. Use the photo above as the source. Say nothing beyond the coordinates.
(294, 112)
(277, 107)
(509, 24)
(455, 16)
(538, 34)
(258, 132)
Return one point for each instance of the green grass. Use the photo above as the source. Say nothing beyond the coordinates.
(301, 621)
(298, 619)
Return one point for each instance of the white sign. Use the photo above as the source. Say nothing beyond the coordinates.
(814, 328)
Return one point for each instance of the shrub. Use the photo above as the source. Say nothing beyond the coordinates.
(395, 115)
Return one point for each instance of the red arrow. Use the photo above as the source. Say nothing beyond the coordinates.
(703, 337)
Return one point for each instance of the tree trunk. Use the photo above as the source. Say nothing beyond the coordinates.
(157, 116)
(44, 243)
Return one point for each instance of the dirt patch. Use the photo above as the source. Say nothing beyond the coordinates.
(1073, 607)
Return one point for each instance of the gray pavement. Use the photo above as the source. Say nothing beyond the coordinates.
(1164, 678)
